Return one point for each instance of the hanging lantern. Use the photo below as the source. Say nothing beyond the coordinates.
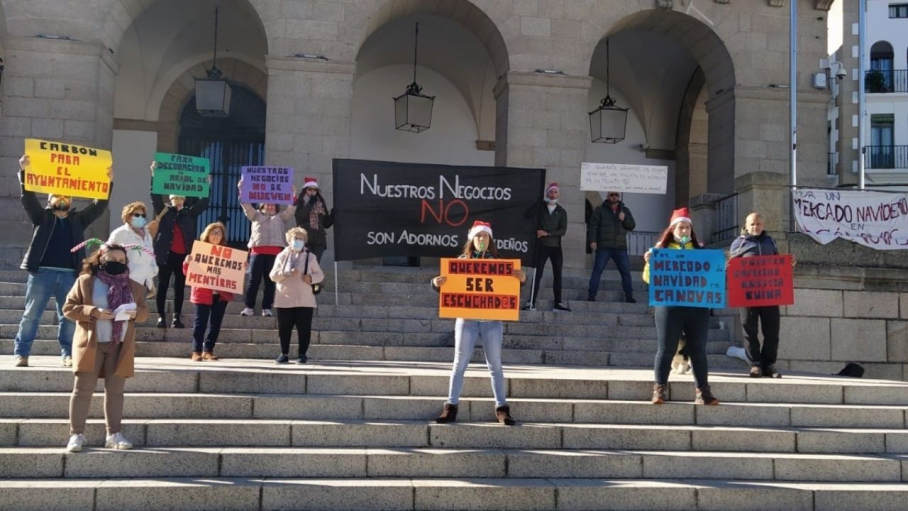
(212, 94)
(608, 123)
(413, 109)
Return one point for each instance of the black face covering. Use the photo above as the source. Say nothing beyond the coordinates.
(113, 268)
(61, 206)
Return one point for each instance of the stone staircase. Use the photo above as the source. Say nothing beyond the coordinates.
(353, 429)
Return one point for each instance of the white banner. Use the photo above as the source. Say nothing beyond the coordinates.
(873, 219)
(618, 177)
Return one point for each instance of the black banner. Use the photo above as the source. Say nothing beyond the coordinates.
(406, 209)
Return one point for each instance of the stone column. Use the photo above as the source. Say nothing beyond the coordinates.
(58, 90)
(309, 120)
(766, 192)
(542, 123)
(703, 214)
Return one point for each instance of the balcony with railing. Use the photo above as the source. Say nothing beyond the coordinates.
(886, 81)
(877, 157)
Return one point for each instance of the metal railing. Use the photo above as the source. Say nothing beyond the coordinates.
(887, 81)
(831, 163)
(886, 157)
(727, 226)
(638, 242)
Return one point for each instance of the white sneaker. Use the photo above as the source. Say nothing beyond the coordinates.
(67, 361)
(117, 441)
(75, 443)
(266, 313)
(247, 312)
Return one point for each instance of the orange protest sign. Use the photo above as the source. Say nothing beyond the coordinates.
(480, 289)
(216, 267)
(65, 169)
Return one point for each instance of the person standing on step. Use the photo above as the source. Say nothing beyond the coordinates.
(176, 231)
(210, 304)
(312, 214)
(142, 265)
(480, 245)
(295, 271)
(673, 320)
(606, 234)
(550, 228)
(755, 241)
(269, 224)
(105, 347)
(50, 265)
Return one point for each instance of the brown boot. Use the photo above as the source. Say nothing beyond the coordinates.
(705, 397)
(196, 356)
(208, 356)
(660, 394)
(448, 414)
(504, 415)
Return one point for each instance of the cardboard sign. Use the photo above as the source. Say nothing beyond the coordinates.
(480, 289)
(618, 177)
(65, 169)
(687, 278)
(179, 174)
(216, 267)
(267, 185)
(760, 281)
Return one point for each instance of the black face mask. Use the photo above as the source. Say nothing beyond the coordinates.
(61, 206)
(113, 268)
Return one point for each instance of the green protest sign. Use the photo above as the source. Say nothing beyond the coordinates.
(178, 174)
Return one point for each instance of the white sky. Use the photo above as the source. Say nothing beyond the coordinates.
(834, 27)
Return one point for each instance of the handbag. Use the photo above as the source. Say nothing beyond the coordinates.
(316, 288)
(152, 226)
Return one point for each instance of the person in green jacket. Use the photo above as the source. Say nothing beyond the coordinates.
(551, 224)
(606, 234)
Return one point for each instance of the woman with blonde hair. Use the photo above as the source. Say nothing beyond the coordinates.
(210, 304)
(142, 266)
(294, 273)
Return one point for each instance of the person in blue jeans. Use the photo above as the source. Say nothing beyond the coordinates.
(480, 245)
(606, 234)
(51, 263)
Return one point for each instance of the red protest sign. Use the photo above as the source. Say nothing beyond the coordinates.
(760, 281)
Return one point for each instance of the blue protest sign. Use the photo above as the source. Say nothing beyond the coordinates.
(687, 278)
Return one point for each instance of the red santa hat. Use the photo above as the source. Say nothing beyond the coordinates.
(680, 215)
(478, 227)
(310, 182)
(550, 187)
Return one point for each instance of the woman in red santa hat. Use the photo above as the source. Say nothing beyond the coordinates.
(480, 245)
(672, 321)
(312, 215)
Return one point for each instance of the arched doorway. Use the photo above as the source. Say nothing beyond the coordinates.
(880, 77)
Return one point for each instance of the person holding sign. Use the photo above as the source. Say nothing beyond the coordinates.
(269, 225)
(176, 231)
(295, 271)
(672, 321)
(480, 245)
(606, 234)
(105, 305)
(210, 304)
(142, 265)
(312, 214)
(50, 265)
(550, 228)
(755, 241)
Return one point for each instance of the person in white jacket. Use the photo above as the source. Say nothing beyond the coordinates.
(142, 266)
(294, 273)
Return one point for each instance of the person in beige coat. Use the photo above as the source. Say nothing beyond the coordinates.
(102, 347)
(294, 273)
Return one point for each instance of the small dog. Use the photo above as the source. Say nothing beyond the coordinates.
(681, 362)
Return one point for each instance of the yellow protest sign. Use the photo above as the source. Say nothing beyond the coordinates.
(67, 169)
(480, 289)
(216, 267)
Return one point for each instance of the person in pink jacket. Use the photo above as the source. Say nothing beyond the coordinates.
(294, 273)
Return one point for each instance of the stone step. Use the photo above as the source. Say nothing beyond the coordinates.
(405, 494)
(141, 405)
(369, 378)
(463, 435)
(38, 462)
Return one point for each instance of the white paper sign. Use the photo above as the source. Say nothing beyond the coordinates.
(619, 177)
(874, 219)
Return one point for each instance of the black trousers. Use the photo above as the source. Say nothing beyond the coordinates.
(173, 267)
(317, 250)
(542, 254)
(670, 322)
(770, 317)
(260, 266)
(299, 317)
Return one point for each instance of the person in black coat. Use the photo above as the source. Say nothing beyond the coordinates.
(551, 225)
(177, 229)
(312, 214)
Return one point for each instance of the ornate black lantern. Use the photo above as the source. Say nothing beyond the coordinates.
(212, 94)
(608, 123)
(413, 109)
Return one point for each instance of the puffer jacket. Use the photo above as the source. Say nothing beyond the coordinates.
(606, 230)
(268, 230)
(749, 246)
(290, 290)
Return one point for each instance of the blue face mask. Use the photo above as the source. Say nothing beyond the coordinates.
(298, 245)
(138, 222)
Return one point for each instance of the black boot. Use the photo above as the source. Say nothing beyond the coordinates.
(176, 323)
(448, 414)
(503, 413)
